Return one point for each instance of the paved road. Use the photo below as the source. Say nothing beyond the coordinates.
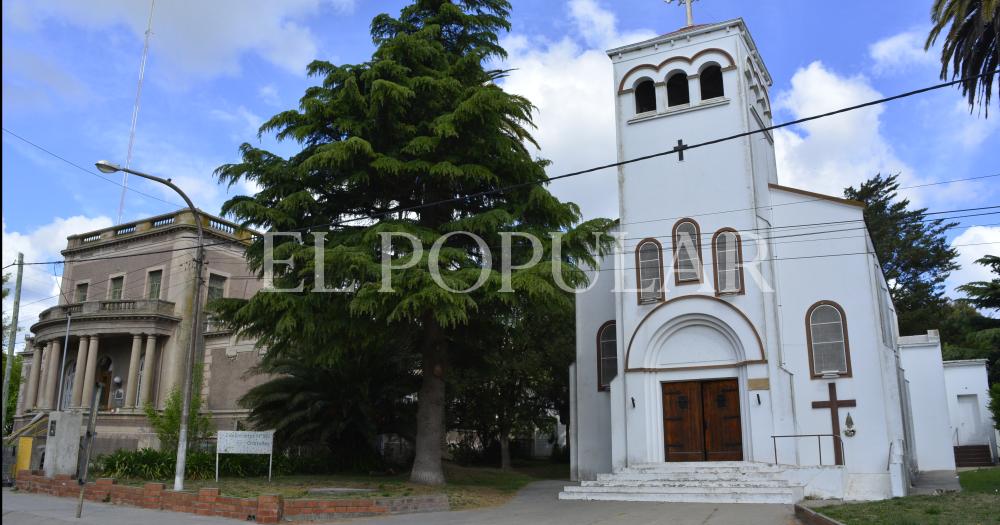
(536, 504)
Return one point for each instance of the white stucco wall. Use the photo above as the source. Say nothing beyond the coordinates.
(969, 378)
(790, 263)
(590, 441)
(921, 360)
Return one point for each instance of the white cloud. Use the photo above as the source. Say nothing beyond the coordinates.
(39, 83)
(40, 282)
(269, 94)
(829, 154)
(970, 130)
(900, 52)
(599, 27)
(571, 84)
(975, 238)
(200, 38)
(245, 122)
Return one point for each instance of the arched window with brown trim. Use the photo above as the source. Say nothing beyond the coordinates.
(677, 90)
(649, 271)
(645, 96)
(727, 248)
(687, 252)
(826, 337)
(607, 355)
(710, 80)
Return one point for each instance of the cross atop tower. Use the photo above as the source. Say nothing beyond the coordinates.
(687, 5)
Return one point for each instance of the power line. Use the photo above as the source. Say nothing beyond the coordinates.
(783, 236)
(817, 256)
(85, 170)
(664, 153)
(784, 227)
(544, 180)
(787, 227)
(769, 206)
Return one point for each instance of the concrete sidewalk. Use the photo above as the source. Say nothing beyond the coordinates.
(536, 504)
(21, 508)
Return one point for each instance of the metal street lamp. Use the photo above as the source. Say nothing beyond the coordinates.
(182, 438)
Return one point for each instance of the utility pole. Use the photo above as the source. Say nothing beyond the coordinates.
(11, 338)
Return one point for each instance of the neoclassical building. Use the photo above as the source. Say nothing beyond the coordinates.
(125, 291)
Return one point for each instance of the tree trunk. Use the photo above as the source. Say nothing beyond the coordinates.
(504, 452)
(430, 410)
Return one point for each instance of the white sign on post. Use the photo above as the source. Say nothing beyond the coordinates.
(243, 442)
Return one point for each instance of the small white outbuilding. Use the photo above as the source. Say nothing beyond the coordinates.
(972, 425)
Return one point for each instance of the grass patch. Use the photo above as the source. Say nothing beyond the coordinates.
(985, 480)
(467, 487)
(977, 504)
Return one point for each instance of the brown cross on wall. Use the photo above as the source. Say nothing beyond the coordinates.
(834, 405)
(679, 149)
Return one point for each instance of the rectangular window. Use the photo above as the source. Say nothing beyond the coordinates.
(153, 280)
(216, 287)
(117, 285)
(81, 292)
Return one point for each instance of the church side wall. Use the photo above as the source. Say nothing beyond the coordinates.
(929, 401)
(592, 407)
(835, 267)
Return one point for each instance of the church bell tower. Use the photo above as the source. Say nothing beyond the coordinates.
(700, 83)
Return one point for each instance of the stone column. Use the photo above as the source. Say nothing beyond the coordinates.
(91, 373)
(133, 371)
(147, 370)
(32, 394)
(52, 376)
(78, 377)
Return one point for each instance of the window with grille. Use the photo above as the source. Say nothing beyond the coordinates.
(649, 271)
(607, 355)
(117, 285)
(828, 347)
(153, 280)
(216, 287)
(81, 292)
(728, 263)
(687, 252)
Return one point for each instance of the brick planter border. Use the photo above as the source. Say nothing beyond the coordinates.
(208, 502)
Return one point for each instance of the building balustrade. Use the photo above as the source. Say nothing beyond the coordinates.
(119, 306)
(179, 218)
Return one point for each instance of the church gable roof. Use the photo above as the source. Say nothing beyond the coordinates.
(819, 196)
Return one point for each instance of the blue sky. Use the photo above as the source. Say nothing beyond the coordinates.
(217, 69)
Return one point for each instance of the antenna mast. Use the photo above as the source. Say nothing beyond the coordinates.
(135, 111)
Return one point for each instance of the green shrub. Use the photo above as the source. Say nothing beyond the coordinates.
(149, 464)
(167, 423)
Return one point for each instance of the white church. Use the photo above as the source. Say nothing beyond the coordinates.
(740, 345)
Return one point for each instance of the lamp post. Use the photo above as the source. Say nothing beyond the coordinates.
(182, 438)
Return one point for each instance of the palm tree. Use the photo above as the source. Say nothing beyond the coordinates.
(970, 47)
(341, 405)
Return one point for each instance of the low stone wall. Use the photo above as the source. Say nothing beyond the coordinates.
(208, 501)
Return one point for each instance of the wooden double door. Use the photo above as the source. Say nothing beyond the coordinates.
(701, 421)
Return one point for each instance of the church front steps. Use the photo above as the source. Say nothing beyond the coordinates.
(711, 482)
